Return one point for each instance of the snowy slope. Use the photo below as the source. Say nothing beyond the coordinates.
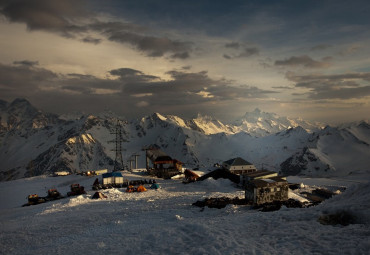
(332, 152)
(165, 222)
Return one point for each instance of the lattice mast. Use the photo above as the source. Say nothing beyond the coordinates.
(118, 161)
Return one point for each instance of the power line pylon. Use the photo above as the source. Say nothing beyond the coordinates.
(118, 161)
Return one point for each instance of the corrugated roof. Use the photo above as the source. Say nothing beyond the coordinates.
(268, 182)
(237, 162)
(259, 173)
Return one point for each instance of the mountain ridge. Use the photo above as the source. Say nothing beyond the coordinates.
(41, 143)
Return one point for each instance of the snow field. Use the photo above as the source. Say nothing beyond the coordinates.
(164, 222)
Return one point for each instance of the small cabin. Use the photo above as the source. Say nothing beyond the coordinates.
(239, 166)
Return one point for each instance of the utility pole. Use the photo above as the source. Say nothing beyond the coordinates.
(136, 155)
(131, 160)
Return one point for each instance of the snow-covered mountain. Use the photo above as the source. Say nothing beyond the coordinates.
(34, 143)
(261, 123)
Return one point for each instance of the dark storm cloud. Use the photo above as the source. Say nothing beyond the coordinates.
(48, 15)
(26, 63)
(304, 61)
(23, 77)
(340, 86)
(71, 19)
(151, 45)
(133, 90)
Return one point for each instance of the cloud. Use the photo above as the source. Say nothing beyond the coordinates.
(48, 15)
(233, 45)
(132, 75)
(185, 91)
(70, 18)
(320, 47)
(244, 53)
(282, 87)
(24, 77)
(350, 50)
(153, 46)
(89, 39)
(26, 63)
(338, 86)
(304, 61)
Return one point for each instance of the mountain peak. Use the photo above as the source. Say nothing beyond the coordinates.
(22, 106)
(20, 101)
(157, 115)
(257, 110)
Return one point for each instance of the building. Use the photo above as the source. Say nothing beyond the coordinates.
(239, 166)
(258, 174)
(113, 179)
(262, 191)
(163, 165)
(101, 171)
(61, 173)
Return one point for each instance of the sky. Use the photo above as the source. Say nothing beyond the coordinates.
(308, 59)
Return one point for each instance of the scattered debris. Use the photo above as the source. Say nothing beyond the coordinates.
(98, 195)
(276, 205)
(220, 202)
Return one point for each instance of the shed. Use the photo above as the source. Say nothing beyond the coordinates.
(239, 166)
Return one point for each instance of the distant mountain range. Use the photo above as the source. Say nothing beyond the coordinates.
(34, 143)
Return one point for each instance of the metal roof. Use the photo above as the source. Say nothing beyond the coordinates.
(237, 162)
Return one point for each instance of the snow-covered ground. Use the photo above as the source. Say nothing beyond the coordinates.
(165, 222)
